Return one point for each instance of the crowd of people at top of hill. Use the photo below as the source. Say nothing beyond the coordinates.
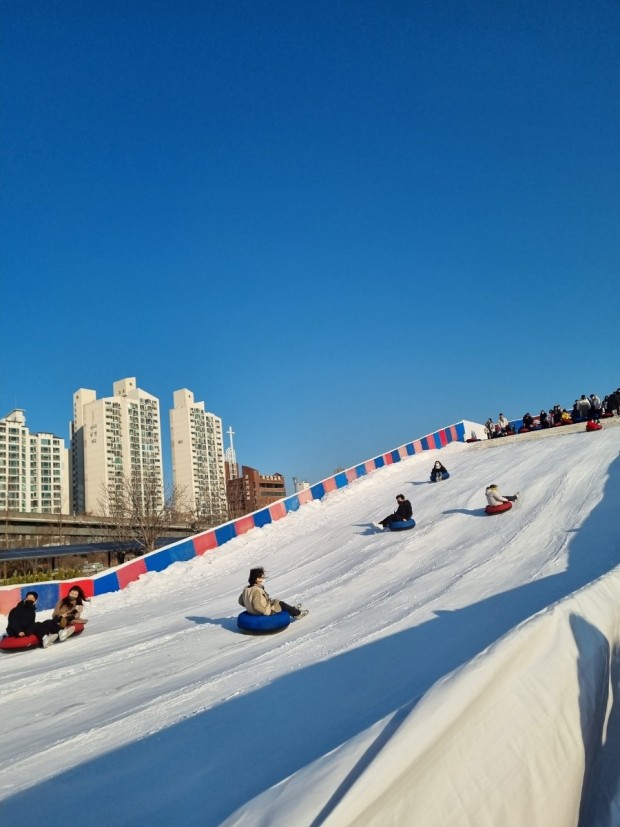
(585, 409)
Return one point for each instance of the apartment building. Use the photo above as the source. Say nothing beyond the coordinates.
(198, 471)
(34, 469)
(114, 440)
(253, 490)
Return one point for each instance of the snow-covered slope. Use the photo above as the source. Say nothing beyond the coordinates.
(161, 711)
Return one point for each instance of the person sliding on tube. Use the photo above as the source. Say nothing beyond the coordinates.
(495, 498)
(68, 610)
(23, 623)
(403, 512)
(438, 472)
(256, 601)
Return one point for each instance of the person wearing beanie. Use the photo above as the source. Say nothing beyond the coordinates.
(22, 622)
(256, 601)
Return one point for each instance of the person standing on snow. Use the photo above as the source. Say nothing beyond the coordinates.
(596, 407)
(583, 406)
(495, 498)
(403, 512)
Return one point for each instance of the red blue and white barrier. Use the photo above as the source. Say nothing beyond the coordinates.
(121, 576)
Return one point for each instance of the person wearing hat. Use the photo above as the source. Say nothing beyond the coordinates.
(495, 498)
(23, 622)
(403, 512)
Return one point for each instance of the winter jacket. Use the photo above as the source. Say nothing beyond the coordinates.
(65, 610)
(503, 423)
(404, 510)
(256, 601)
(494, 497)
(437, 473)
(22, 619)
(584, 407)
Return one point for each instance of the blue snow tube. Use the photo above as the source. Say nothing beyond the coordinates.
(401, 525)
(444, 476)
(263, 624)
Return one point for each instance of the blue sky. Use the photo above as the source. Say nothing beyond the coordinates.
(342, 225)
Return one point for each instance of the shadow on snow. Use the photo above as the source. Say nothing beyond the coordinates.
(203, 768)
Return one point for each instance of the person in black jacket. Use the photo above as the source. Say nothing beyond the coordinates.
(403, 512)
(23, 622)
(438, 471)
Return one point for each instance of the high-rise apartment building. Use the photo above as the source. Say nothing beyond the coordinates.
(198, 458)
(34, 469)
(115, 441)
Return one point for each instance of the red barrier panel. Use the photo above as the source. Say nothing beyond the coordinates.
(244, 524)
(277, 511)
(9, 598)
(87, 586)
(205, 542)
(127, 574)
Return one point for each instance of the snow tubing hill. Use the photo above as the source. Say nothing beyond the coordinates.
(498, 509)
(444, 476)
(401, 525)
(20, 644)
(263, 624)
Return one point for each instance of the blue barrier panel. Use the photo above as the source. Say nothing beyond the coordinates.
(225, 533)
(262, 518)
(395, 456)
(410, 449)
(106, 583)
(292, 503)
(424, 443)
(379, 462)
(360, 470)
(49, 594)
(341, 480)
(460, 431)
(182, 552)
(158, 560)
(318, 490)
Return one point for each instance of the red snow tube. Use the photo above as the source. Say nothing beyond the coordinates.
(594, 426)
(17, 644)
(497, 509)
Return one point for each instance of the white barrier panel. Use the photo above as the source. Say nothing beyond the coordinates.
(527, 734)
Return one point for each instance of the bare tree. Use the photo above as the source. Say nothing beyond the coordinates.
(139, 513)
(210, 511)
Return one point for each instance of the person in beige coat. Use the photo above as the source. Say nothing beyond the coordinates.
(69, 609)
(495, 498)
(256, 601)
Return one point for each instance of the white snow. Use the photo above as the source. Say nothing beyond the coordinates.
(419, 690)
